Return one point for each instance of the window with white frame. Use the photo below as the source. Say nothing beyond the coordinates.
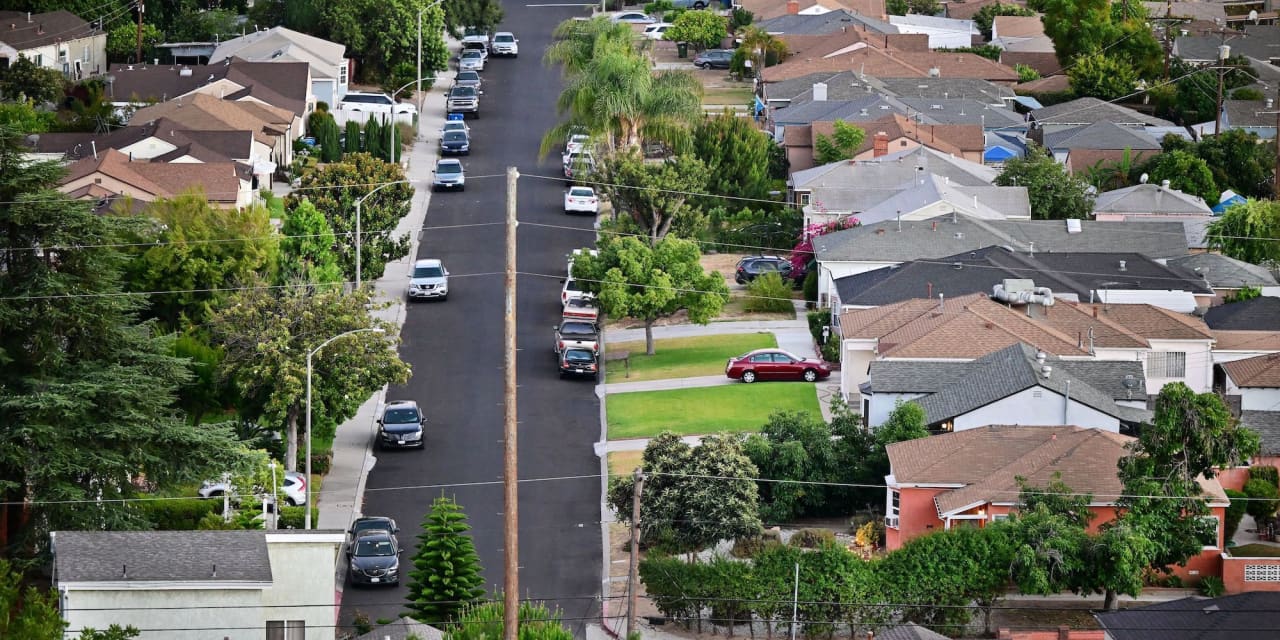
(342, 73)
(1166, 364)
(1262, 573)
(1210, 540)
(999, 516)
(286, 630)
(804, 197)
(38, 60)
(62, 55)
(895, 502)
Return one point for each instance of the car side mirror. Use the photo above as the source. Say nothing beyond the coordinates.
(380, 419)
(423, 421)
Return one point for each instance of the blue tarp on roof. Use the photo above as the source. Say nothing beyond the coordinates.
(1028, 102)
(1222, 207)
(998, 154)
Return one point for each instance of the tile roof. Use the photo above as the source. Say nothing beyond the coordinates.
(766, 9)
(1223, 272)
(875, 62)
(1017, 26)
(1051, 84)
(897, 170)
(1090, 110)
(1150, 199)
(1258, 314)
(1100, 135)
(158, 83)
(42, 29)
(1253, 615)
(1227, 340)
(1256, 372)
(1267, 425)
(161, 556)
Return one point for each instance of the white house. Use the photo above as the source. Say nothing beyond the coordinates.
(944, 33)
(330, 68)
(57, 40)
(1256, 380)
(189, 585)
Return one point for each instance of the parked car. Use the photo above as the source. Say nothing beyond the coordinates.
(578, 164)
(371, 523)
(476, 40)
(293, 486)
(581, 200)
(573, 289)
(656, 30)
(505, 44)
(579, 362)
(713, 59)
(576, 333)
(357, 105)
(449, 174)
(401, 425)
(576, 142)
(471, 60)
(752, 267)
(468, 79)
(698, 4)
(775, 364)
(455, 143)
(584, 309)
(633, 17)
(429, 280)
(464, 100)
(455, 125)
(374, 558)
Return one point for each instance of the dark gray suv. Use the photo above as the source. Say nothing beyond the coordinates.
(375, 559)
(401, 425)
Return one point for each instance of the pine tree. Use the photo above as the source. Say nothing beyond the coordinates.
(446, 576)
(353, 137)
(373, 138)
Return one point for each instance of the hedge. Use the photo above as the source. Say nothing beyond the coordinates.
(180, 514)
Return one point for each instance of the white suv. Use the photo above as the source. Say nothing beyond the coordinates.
(505, 44)
(429, 280)
(294, 488)
(357, 105)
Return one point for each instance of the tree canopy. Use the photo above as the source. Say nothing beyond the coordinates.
(1102, 76)
(1054, 192)
(307, 247)
(658, 197)
(1249, 231)
(446, 577)
(702, 29)
(1185, 172)
(842, 144)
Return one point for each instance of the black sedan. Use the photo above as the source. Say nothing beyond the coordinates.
(375, 559)
(455, 143)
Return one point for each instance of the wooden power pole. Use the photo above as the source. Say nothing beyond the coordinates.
(510, 479)
(634, 570)
(142, 8)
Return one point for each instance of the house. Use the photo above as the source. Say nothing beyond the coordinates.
(1085, 111)
(162, 140)
(1243, 616)
(1245, 329)
(935, 196)
(403, 628)
(1037, 53)
(330, 69)
(767, 9)
(1087, 146)
(273, 128)
(177, 585)
(111, 174)
(286, 85)
(1006, 30)
(958, 110)
(1017, 382)
(1061, 633)
(1255, 381)
(1251, 116)
(970, 478)
(883, 244)
(893, 63)
(1227, 275)
(892, 133)
(1171, 347)
(821, 24)
(58, 40)
(1148, 202)
(944, 33)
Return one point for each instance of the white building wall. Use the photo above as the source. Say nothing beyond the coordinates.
(855, 356)
(1199, 364)
(1220, 357)
(190, 614)
(1037, 406)
(90, 51)
(1257, 399)
(939, 38)
(308, 581)
(882, 404)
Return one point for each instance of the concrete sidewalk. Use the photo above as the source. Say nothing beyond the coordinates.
(666, 384)
(341, 494)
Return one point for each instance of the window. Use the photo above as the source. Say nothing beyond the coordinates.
(1262, 573)
(895, 502)
(1167, 364)
(804, 197)
(342, 73)
(286, 630)
(38, 59)
(62, 55)
(1210, 541)
(762, 357)
(999, 516)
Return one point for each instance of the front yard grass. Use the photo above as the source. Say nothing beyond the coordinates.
(684, 357)
(1255, 551)
(704, 410)
(735, 96)
(623, 463)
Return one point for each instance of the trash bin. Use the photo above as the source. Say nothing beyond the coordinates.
(682, 49)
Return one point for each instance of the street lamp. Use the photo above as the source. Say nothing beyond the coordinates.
(391, 130)
(275, 496)
(360, 201)
(418, 92)
(310, 493)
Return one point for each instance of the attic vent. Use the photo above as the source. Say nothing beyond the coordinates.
(1123, 266)
(864, 112)
(935, 72)
(184, 73)
(884, 107)
(959, 235)
(277, 53)
(1037, 393)
(957, 265)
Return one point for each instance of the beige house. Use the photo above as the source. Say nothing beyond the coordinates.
(110, 174)
(57, 40)
(274, 128)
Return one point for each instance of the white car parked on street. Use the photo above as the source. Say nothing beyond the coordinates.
(581, 200)
(656, 31)
(505, 44)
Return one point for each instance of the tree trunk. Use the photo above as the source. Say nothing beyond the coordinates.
(1110, 602)
(648, 336)
(291, 437)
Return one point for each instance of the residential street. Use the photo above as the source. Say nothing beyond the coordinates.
(455, 348)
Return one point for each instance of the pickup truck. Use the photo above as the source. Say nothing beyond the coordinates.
(464, 100)
(581, 309)
(576, 334)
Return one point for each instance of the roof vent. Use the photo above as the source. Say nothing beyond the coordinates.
(957, 265)
(935, 72)
(959, 235)
(864, 112)
(1040, 357)
(936, 107)
(1123, 266)
(185, 73)
(1046, 371)
(1073, 225)
(1164, 184)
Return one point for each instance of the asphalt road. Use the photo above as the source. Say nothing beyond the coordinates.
(455, 348)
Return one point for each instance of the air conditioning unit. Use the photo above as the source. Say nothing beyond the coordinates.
(891, 522)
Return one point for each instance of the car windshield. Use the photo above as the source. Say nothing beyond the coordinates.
(471, 53)
(578, 355)
(468, 76)
(581, 192)
(577, 329)
(455, 136)
(428, 272)
(455, 126)
(366, 548)
(371, 525)
(573, 285)
(400, 416)
(449, 167)
(504, 39)
(464, 92)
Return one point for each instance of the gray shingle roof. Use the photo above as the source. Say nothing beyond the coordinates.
(908, 631)
(971, 88)
(42, 29)
(1249, 113)
(402, 629)
(1100, 135)
(915, 376)
(1091, 110)
(166, 556)
(1261, 42)
(1258, 314)
(881, 242)
(1225, 273)
(1246, 616)
(988, 203)
(963, 111)
(823, 23)
(1267, 424)
(1150, 199)
(863, 109)
(840, 86)
(896, 170)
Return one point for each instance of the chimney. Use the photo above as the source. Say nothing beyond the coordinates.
(40, 29)
(1164, 184)
(1064, 632)
(793, 6)
(880, 144)
(1122, 266)
(819, 92)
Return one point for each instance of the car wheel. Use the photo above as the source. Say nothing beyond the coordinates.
(748, 376)
(810, 375)
(699, 65)
(699, 5)
(462, 188)
(290, 502)
(444, 297)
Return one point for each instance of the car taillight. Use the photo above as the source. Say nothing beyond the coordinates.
(561, 343)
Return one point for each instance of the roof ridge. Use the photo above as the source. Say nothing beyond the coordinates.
(1025, 322)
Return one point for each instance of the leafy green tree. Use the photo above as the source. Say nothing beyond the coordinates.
(375, 141)
(736, 155)
(1083, 27)
(842, 144)
(90, 109)
(905, 422)
(267, 335)
(1054, 192)
(205, 391)
(381, 33)
(693, 497)
(633, 279)
(485, 621)
(935, 578)
(483, 15)
(211, 25)
(1025, 73)
(24, 117)
(24, 80)
(656, 196)
(1240, 162)
(325, 129)
(307, 247)
(122, 42)
(89, 391)
(904, 7)
(702, 29)
(763, 48)
(1101, 76)
(446, 579)
(1185, 172)
(793, 446)
(334, 190)
(29, 614)
(1115, 174)
(352, 143)
(1249, 231)
(1263, 498)
(986, 16)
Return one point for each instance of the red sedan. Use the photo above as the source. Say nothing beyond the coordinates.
(775, 364)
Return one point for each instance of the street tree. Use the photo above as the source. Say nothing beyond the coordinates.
(633, 279)
(736, 155)
(334, 190)
(267, 334)
(446, 580)
(122, 42)
(198, 251)
(1240, 161)
(986, 16)
(656, 196)
(307, 247)
(89, 390)
(762, 48)
(352, 142)
(1249, 231)
(693, 497)
(702, 29)
(1054, 192)
(485, 621)
(1100, 76)
(381, 33)
(482, 15)
(842, 144)
(1185, 172)
(24, 79)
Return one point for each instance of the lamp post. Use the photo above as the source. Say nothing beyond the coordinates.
(275, 496)
(360, 201)
(391, 118)
(418, 92)
(310, 500)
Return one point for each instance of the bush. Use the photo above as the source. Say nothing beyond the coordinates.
(831, 351)
(214, 522)
(812, 538)
(750, 546)
(1263, 499)
(811, 286)
(818, 320)
(1247, 93)
(1234, 512)
(1212, 587)
(768, 293)
(320, 462)
(870, 535)
(183, 514)
(1266, 473)
(296, 517)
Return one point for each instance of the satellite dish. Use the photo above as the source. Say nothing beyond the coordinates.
(1253, 16)
(33, 139)
(1143, 179)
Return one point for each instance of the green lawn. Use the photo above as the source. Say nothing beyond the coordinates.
(624, 462)
(703, 410)
(727, 96)
(1255, 551)
(684, 357)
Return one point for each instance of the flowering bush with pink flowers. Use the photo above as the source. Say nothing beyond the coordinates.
(802, 254)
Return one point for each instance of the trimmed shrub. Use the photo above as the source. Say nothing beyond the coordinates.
(1263, 499)
(870, 535)
(183, 514)
(749, 546)
(768, 293)
(811, 286)
(1267, 473)
(320, 462)
(812, 538)
(296, 517)
(1234, 513)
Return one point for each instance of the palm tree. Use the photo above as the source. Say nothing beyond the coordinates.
(762, 45)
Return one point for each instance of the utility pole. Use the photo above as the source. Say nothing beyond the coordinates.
(1224, 52)
(510, 479)
(634, 570)
(142, 8)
